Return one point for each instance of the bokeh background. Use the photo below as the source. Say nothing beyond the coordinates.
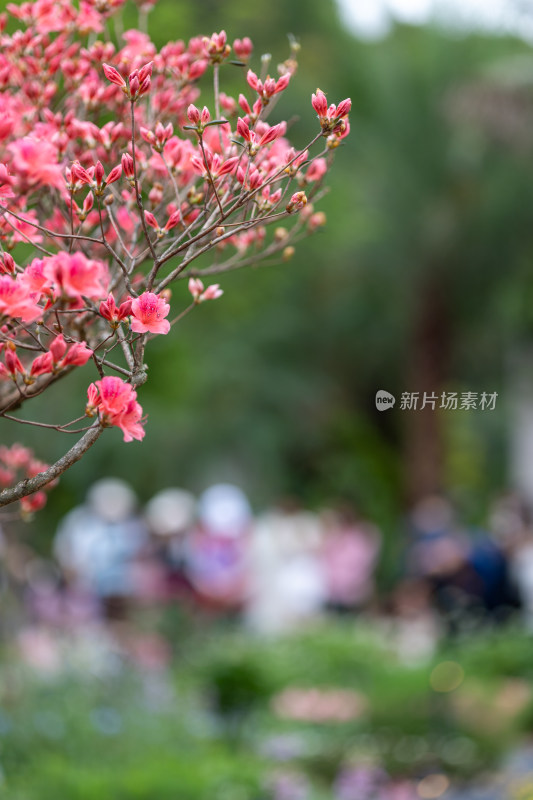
(420, 282)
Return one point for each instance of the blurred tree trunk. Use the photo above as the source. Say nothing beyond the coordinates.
(427, 375)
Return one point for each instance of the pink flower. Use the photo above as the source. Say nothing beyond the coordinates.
(42, 365)
(117, 404)
(196, 288)
(77, 356)
(130, 421)
(5, 183)
(16, 300)
(33, 277)
(149, 312)
(76, 275)
(113, 395)
(36, 161)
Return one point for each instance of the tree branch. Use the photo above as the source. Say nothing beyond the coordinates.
(29, 485)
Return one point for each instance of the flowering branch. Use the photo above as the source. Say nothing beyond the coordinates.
(107, 205)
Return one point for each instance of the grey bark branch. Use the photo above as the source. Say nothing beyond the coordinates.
(29, 485)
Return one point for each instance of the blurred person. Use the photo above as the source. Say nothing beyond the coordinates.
(511, 524)
(349, 556)
(98, 542)
(467, 570)
(438, 555)
(287, 583)
(170, 516)
(217, 550)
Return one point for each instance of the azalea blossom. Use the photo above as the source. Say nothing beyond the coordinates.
(35, 160)
(196, 288)
(17, 301)
(148, 314)
(76, 275)
(116, 402)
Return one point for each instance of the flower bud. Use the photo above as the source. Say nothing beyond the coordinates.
(113, 75)
(127, 166)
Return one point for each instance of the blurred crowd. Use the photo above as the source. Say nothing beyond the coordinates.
(273, 571)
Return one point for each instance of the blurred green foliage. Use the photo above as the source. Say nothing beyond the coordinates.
(85, 735)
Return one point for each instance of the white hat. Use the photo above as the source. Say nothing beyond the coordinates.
(170, 511)
(225, 510)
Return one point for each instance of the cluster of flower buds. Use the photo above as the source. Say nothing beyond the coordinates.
(216, 47)
(138, 83)
(269, 87)
(159, 137)
(200, 293)
(113, 314)
(332, 118)
(93, 176)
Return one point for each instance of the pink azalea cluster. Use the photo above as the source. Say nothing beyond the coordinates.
(115, 401)
(120, 178)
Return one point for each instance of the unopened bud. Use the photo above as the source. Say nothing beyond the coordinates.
(156, 194)
(220, 231)
(296, 203)
(280, 234)
(317, 220)
(288, 253)
(109, 200)
(332, 142)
